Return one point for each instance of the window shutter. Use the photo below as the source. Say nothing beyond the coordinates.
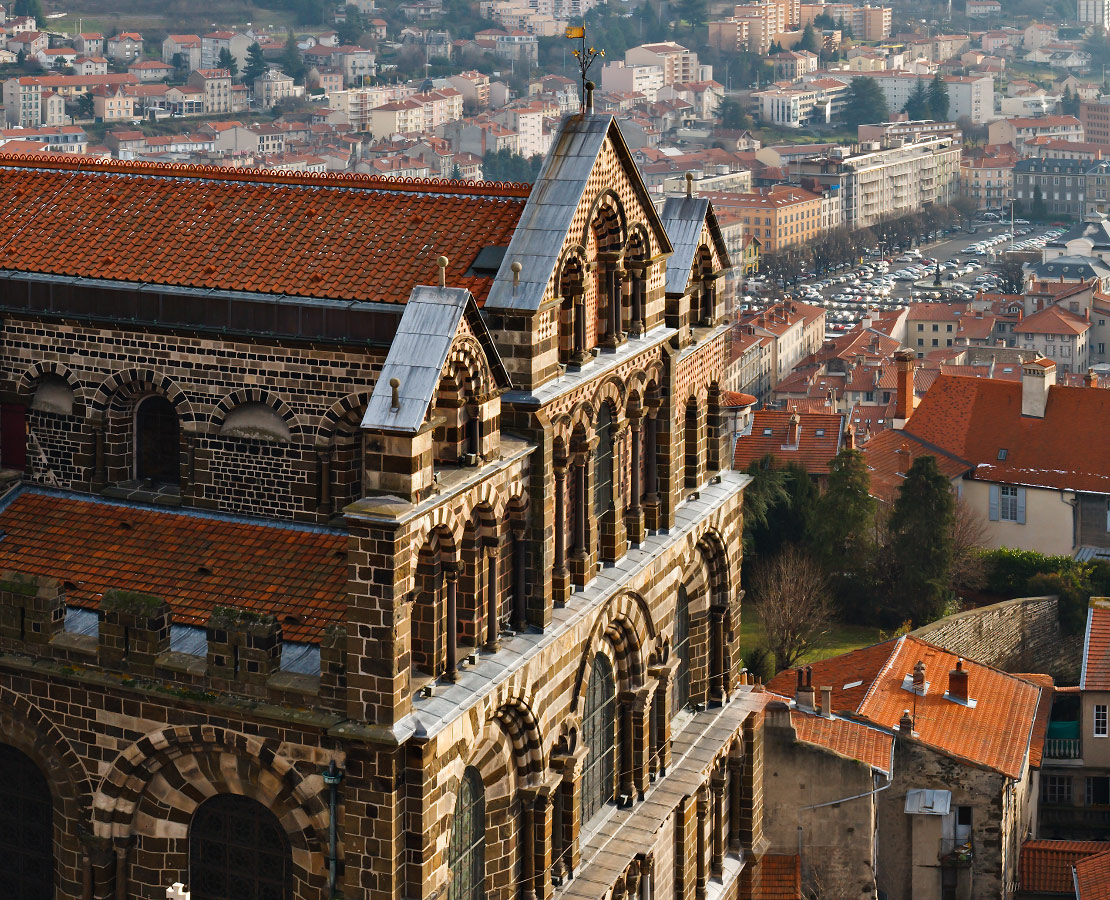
(1021, 506)
(994, 502)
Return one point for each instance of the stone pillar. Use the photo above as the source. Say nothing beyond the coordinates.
(581, 512)
(661, 757)
(703, 816)
(543, 840)
(493, 626)
(520, 611)
(717, 693)
(627, 737)
(639, 283)
(561, 575)
(134, 630)
(333, 668)
(634, 514)
(580, 354)
(735, 779)
(570, 798)
(717, 786)
(451, 576)
(642, 738)
(323, 480)
(651, 459)
(32, 612)
(528, 844)
(100, 467)
(613, 539)
(632, 879)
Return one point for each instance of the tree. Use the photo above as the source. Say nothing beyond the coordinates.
(865, 103)
(352, 27)
(309, 12)
(965, 207)
(292, 64)
(1069, 103)
(791, 599)
(733, 116)
(692, 12)
(85, 107)
(1038, 209)
(1011, 273)
(969, 536)
(766, 490)
(842, 533)
(787, 522)
(810, 42)
(938, 99)
(917, 107)
(227, 61)
(256, 63)
(29, 8)
(921, 543)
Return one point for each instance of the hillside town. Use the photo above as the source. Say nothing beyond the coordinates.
(571, 450)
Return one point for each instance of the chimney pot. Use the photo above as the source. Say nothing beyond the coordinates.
(905, 724)
(958, 682)
(919, 677)
(803, 697)
(826, 701)
(395, 393)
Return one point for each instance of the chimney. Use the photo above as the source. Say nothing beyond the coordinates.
(919, 678)
(804, 694)
(826, 701)
(904, 364)
(905, 724)
(778, 716)
(1036, 378)
(903, 453)
(1090, 379)
(957, 682)
(794, 429)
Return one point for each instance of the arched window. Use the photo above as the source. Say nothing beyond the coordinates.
(256, 421)
(238, 851)
(467, 859)
(157, 451)
(603, 461)
(26, 828)
(599, 727)
(53, 394)
(681, 689)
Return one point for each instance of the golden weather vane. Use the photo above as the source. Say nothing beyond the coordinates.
(585, 55)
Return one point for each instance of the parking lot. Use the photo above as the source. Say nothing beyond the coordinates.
(966, 267)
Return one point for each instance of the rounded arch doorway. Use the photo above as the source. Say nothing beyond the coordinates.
(157, 441)
(26, 828)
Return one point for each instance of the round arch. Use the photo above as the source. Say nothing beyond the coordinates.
(245, 396)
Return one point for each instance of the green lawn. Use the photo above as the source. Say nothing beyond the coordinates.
(839, 639)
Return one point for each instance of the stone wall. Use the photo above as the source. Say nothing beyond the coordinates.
(1021, 635)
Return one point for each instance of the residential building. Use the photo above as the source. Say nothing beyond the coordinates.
(215, 85)
(930, 326)
(188, 49)
(795, 329)
(791, 65)
(985, 9)
(1093, 12)
(89, 43)
(150, 70)
(868, 23)
(807, 439)
(780, 216)
(213, 43)
(969, 96)
(1095, 120)
(801, 105)
(1037, 35)
(988, 179)
(273, 86)
(321, 635)
(678, 63)
(1058, 335)
(874, 183)
(1018, 131)
(1059, 184)
(619, 77)
(113, 104)
(927, 785)
(125, 47)
(908, 130)
(90, 65)
(29, 43)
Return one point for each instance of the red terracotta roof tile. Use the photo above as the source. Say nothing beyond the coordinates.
(1096, 647)
(889, 455)
(1046, 866)
(818, 440)
(780, 877)
(344, 237)
(845, 738)
(194, 562)
(1092, 877)
(995, 733)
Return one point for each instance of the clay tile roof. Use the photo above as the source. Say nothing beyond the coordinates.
(813, 451)
(737, 398)
(851, 739)
(780, 878)
(300, 239)
(193, 561)
(1096, 647)
(1092, 877)
(1054, 320)
(890, 454)
(995, 733)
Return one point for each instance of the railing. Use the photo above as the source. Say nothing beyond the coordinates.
(1063, 748)
(1065, 814)
(955, 852)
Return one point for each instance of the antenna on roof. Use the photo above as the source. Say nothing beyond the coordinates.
(442, 263)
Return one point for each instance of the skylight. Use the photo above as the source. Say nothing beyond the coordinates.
(1002, 453)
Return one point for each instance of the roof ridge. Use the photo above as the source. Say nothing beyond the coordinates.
(66, 162)
(879, 675)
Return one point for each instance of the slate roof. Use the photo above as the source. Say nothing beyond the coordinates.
(417, 354)
(337, 237)
(1098, 232)
(1096, 647)
(1073, 267)
(993, 734)
(537, 242)
(683, 218)
(193, 561)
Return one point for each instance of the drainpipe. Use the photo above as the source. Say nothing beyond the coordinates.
(333, 777)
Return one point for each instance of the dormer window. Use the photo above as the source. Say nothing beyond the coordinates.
(767, 432)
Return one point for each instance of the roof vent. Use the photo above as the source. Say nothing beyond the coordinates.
(126, 526)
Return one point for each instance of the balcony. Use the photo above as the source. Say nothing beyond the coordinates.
(1063, 748)
(956, 852)
(1092, 821)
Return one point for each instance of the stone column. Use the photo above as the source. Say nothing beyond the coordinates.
(632, 879)
(543, 840)
(717, 785)
(561, 575)
(703, 815)
(580, 354)
(493, 626)
(634, 515)
(520, 611)
(323, 480)
(639, 281)
(661, 756)
(651, 458)
(451, 575)
(627, 738)
(717, 655)
(735, 779)
(580, 510)
(100, 468)
(528, 843)
(613, 538)
(641, 737)
(122, 881)
(571, 796)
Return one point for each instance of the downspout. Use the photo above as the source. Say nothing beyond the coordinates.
(333, 777)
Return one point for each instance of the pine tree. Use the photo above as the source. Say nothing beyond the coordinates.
(842, 533)
(29, 8)
(810, 41)
(917, 107)
(866, 102)
(291, 62)
(921, 542)
(938, 99)
(256, 63)
(227, 61)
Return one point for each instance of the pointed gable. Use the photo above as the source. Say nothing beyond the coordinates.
(589, 158)
(691, 224)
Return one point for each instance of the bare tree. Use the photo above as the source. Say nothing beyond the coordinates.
(969, 536)
(792, 602)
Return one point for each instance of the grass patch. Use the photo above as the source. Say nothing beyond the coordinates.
(839, 639)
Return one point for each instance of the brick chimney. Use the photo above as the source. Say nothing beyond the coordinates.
(904, 364)
(803, 696)
(1090, 379)
(919, 678)
(905, 724)
(826, 701)
(1036, 379)
(957, 682)
(794, 429)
